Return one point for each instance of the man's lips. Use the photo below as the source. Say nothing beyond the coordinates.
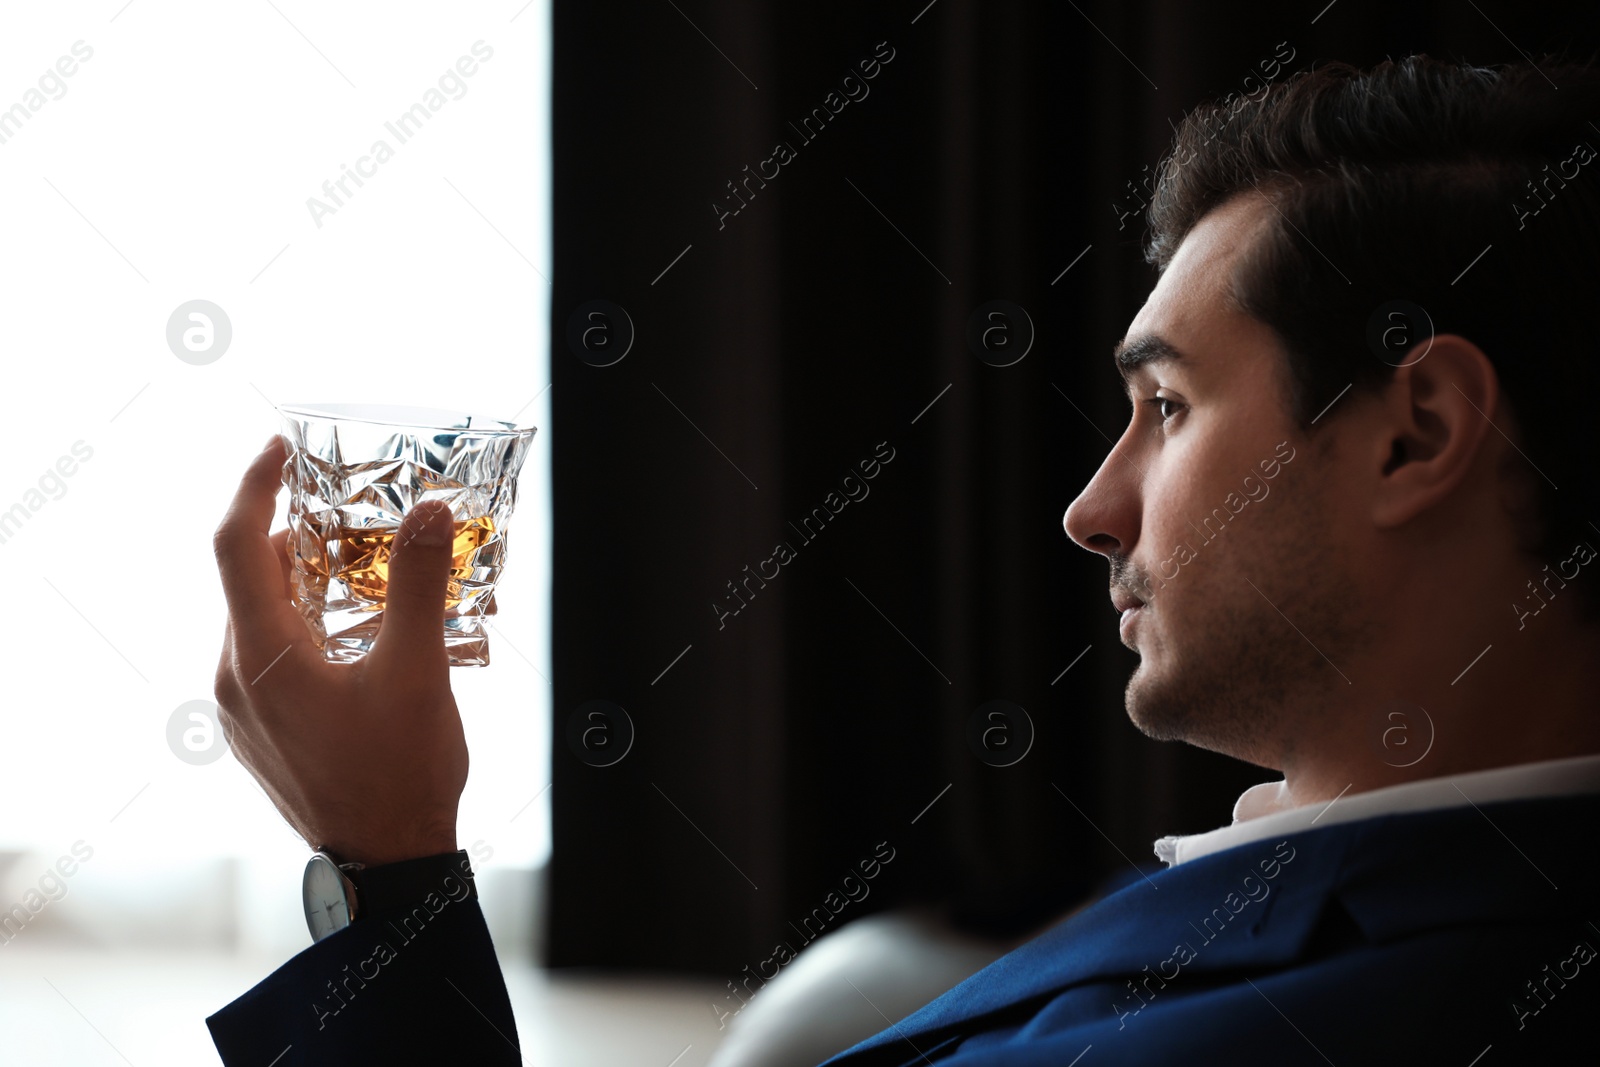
(1122, 600)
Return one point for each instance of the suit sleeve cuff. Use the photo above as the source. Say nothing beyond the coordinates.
(413, 979)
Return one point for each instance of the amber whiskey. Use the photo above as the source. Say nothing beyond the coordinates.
(359, 559)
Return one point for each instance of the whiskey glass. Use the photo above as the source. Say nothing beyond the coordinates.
(354, 471)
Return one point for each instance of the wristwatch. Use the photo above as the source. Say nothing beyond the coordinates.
(329, 894)
(336, 893)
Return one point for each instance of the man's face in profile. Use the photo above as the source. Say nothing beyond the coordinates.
(1214, 510)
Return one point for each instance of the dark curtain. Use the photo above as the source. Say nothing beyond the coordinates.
(815, 316)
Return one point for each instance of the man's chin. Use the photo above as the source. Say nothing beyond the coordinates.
(1153, 708)
(1205, 715)
(1164, 703)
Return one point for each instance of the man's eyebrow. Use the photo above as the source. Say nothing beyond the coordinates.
(1141, 352)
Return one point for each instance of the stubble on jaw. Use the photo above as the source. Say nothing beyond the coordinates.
(1226, 670)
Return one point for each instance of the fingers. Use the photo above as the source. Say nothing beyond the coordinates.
(251, 568)
(412, 630)
(280, 548)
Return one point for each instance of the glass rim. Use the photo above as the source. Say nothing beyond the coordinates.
(404, 416)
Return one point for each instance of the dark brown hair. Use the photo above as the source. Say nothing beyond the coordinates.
(1389, 185)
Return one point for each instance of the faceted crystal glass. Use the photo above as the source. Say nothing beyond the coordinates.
(353, 472)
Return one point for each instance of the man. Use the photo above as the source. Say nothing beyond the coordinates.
(1348, 526)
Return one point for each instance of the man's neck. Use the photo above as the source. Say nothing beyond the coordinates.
(1522, 701)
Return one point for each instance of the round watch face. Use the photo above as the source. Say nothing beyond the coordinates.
(323, 889)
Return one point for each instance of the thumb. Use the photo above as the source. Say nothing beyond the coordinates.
(419, 568)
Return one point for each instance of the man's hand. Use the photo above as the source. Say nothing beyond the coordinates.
(366, 759)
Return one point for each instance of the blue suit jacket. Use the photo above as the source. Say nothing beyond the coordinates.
(1438, 937)
(1434, 937)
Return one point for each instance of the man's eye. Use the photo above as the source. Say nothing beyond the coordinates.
(1159, 401)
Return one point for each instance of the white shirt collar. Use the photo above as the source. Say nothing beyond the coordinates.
(1261, 810)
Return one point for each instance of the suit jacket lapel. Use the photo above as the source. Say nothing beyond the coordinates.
(1214, 912)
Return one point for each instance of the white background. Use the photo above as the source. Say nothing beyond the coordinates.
(177, 166)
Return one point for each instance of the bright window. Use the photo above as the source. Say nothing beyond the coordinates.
(171, 152)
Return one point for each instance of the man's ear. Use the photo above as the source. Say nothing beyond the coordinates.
(1439, 415)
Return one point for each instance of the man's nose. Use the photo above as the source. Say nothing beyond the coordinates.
(1105, 516)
